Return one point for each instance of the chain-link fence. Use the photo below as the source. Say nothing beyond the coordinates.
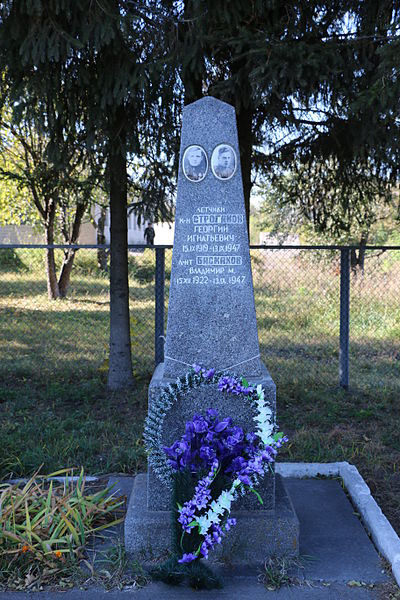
(302, 295)
(321, 322)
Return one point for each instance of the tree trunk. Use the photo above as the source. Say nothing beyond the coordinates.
(245, 125)
(65, 273)
(120, 363)
(101, 240)
(192, 77)
(52, 284)
(69, 255)
(357, 261)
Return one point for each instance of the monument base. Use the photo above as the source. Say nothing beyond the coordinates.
(257, 535)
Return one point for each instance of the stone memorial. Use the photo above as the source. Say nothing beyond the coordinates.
(212, 323)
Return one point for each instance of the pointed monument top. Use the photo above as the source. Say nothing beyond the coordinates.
(210, 101)
(211, 314)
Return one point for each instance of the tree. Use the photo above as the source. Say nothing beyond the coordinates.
(101, 65)
(15, 205)
(57, 187)
(315, 208)
(317, 81)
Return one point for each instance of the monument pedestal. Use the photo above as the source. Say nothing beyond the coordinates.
(257, 535)
(262, 530)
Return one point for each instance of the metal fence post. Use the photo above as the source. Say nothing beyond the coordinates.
(159, 306)
(344, 317)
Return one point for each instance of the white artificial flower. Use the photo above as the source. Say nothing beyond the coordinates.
(216, 507)
(263, 418)
(225, 500)
(204, 524)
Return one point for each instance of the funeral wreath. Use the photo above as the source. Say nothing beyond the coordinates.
(208, 468)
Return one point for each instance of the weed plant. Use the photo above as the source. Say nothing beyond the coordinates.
(45, 525)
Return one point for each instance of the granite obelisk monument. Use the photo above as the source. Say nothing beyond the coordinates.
(212, 323)
(211, 305)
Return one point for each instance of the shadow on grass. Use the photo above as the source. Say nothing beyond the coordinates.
(35, 343)
(371, 363)
(32, 286)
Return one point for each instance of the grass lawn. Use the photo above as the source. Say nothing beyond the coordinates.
(55, 411)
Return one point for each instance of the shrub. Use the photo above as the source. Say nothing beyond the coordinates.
(10, 260)
(145, 266)
(85, 263)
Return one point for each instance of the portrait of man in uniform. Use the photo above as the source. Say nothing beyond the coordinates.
(223, 161)
(195, 163)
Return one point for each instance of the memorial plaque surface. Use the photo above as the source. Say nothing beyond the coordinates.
(211, 315)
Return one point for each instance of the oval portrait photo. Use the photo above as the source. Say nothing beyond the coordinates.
(194, 163)
(223, 161)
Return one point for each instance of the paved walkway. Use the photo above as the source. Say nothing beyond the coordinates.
(334, 547)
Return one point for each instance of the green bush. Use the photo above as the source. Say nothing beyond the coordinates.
(34, 258)
(85, 263)
(10, 260)
(144, 266)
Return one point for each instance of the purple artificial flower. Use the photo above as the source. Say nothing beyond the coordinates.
(223, 424)
(282, 441)
(271, 450)
(186, 516)
(237, 465)
(206, 373)
(207, 453)
(201, 499)
(267, 456)
(233, 386)
(225, 383)
(235, 389)
(236, 436)
(212, 413)
(230, 523)
(170, 452)
(244, 479)
(210, 436)
(218, 448)
(187, 558)
(246, 390)
(217, 537)
(200, 424)
(251, 437)
(189, 429)
(255, 466)
(214, 467)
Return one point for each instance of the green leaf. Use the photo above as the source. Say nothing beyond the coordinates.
(257, 494)
(28, 522)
